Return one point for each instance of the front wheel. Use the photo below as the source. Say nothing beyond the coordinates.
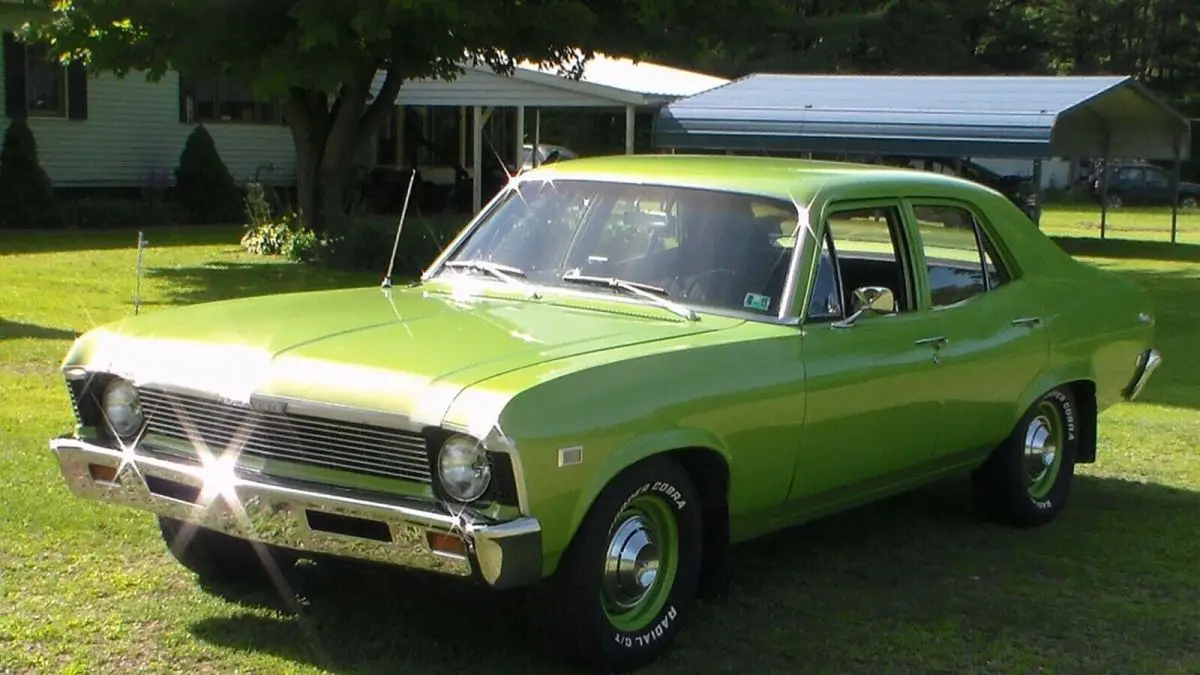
(1026, 480)
(628, 580)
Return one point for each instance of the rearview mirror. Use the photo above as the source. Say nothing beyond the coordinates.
(868, 300)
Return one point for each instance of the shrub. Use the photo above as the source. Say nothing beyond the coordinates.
(203, 185)
(108, 213)
(26, 196)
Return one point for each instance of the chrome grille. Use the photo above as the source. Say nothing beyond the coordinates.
(332, 444)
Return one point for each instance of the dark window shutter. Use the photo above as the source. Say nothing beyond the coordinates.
(77, 91)
(187, 94)
(15, 106)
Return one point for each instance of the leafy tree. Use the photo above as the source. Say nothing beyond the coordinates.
(26, 196)
(338, 66)
(203, 184)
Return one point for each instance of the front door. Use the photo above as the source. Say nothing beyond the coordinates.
(870, 412)
(994, 340)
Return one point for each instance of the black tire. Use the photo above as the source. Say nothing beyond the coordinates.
(579, 628)
(219, 558)
(1007, 487)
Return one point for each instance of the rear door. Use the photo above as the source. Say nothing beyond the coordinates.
(992, 341)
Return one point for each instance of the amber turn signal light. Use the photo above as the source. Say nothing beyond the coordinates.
(446, 544)
(100, 472)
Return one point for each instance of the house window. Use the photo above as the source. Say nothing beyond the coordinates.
(37, 84)
(45, 83)
(225, 99)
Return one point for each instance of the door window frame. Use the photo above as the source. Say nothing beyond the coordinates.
(814, 244)
(983, 230)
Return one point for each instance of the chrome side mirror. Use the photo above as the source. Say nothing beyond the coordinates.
(869, 300)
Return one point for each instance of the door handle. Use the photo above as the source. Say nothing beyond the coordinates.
(1030, 321)
(934, 341)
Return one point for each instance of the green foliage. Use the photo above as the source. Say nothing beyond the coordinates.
(109, 213)
(203, 184)
(320, 59)
(26, 195)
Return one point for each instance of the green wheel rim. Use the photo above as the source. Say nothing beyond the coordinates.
(1043, 449)
(640, 563)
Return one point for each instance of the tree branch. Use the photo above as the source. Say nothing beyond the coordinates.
(384, 101)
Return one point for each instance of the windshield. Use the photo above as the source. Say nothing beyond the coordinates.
(698, 247)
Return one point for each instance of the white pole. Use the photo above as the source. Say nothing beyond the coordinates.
(537, 137)
(630, 112)
(520, 140)
(477, 161)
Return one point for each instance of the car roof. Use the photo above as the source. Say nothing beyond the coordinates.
(776, 177)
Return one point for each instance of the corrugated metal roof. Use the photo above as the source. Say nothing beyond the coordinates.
(951, 116)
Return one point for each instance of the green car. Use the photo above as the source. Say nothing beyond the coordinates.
(621, 367)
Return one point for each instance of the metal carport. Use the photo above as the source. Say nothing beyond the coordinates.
(1027, 117)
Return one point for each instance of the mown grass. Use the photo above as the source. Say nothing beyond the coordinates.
(914, 584)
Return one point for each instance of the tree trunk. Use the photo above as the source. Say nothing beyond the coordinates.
(327, 138)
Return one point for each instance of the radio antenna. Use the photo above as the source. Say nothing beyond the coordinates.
(387, 280)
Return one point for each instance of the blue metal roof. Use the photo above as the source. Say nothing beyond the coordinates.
(931, 116)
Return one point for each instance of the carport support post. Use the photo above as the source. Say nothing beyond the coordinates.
(537, 137)
(1104, 181)
(520, 139)
(630, 118)
(477, 161)
(1175, 187)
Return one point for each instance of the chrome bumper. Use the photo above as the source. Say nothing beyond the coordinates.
(333, 521)
(1147, 363)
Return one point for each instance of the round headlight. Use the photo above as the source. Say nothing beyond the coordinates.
(122, 408)
(463, 468)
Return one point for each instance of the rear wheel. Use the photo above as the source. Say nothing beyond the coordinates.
(628, 580)
(1189, 203)
(1026, 480)
(220, 558)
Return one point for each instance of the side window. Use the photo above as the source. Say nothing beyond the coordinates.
(862, 247)
(961, 261)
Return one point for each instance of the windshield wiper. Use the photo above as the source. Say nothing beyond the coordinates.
(651, 293)
(506, 273)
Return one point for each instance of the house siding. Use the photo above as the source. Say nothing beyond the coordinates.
(133, 132)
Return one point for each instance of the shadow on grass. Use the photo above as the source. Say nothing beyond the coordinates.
(225, 280)
(23, 242)
(16, 330)
(911, 584)
(1129, 249)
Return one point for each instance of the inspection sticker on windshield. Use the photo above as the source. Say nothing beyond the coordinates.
(761, 303)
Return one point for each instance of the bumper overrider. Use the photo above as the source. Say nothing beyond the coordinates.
(1148, 361)
(319, 520)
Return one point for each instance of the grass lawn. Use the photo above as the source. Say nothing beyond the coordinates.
(915, 584)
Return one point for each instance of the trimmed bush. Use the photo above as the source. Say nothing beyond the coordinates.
(203, 185)
(96, 213)
(26, 196)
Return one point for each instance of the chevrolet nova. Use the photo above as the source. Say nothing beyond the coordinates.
(618, 369)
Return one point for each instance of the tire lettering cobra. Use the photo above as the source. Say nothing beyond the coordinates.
(1068, 413)
(661, 487)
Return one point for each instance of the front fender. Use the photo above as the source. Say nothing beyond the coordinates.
(626, 456)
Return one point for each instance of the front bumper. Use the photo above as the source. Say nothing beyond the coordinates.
(325, 520)
(1147, 363)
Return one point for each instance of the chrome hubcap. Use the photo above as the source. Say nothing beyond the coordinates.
(1040, 448)
(631, 565)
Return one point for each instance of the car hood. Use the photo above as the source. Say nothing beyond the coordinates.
(406, 350)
